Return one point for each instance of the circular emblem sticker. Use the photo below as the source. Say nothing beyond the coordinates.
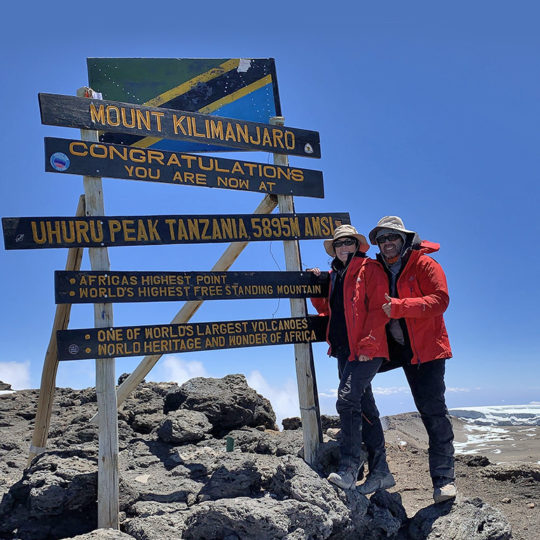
(73, 349)
(59, 161)
(308, 149)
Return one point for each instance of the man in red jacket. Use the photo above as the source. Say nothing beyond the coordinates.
(417, 338)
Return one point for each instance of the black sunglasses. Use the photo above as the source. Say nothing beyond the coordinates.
(346, 242)
(388, 238)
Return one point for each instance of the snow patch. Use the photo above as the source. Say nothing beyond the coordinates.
(500, 415)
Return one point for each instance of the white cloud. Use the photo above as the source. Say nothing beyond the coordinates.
(175, 369)
(331, 393)
(15, 373)
(457, 389)
(284, 398)
(390, 390)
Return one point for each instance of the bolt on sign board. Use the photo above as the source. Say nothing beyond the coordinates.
(96, 114)
(83, 287)
(151, 165)
(242, 88)
(119, 341)
(101, 231)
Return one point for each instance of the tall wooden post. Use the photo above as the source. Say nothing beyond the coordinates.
(305, 372)
(50, 365)
(108, 498)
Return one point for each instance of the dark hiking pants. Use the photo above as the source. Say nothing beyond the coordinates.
(356, 406)
(427, 386)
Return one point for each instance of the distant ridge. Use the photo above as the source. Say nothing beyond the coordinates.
(500, 415)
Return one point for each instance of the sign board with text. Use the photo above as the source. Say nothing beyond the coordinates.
(95, 114)
(115, 342)
(150, 165)
(58, 232)
(91, 287)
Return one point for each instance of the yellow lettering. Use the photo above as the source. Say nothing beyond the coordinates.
(37, 237)
(114, 227)
(173, 160)
(141, 231)
(110, 120)
(78, 144)
(229, 133)
(178, 124)
(216, 129)
(143, 119)
(97, 115)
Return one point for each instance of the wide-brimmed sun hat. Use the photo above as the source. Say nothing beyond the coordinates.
(345, 231)
(392, 223)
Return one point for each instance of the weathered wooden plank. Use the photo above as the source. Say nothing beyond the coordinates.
(148, 165)
(189, 337)
(108, 489)
(58, 232)
(303, 354)
(86, 287)
(50, 364)
(116, 116)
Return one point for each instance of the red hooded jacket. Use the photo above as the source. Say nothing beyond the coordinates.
(423, 298)
(364, 287)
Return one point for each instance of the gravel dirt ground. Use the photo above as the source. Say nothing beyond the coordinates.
(505, 474)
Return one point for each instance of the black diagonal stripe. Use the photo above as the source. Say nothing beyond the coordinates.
(217, 88)
(204, 94)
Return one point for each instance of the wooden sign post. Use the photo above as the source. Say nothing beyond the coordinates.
(95, 231)
(108, 494)
(305, 373)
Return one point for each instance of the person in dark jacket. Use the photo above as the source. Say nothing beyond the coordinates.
(356, 335)
(417, 338)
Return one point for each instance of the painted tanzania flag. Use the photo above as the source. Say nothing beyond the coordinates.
(242, 88)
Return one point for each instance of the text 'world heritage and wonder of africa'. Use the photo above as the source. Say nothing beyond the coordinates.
(188, 337)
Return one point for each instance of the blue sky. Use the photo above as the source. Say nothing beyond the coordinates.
(426, 110)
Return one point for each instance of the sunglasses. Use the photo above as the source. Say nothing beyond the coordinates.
(346, 242)
(387, 238)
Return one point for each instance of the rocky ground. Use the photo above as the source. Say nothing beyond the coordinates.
(513, 488)
(177, 479)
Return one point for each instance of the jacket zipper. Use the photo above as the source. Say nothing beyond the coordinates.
(411, 338)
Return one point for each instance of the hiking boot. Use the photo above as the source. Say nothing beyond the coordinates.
(377, 481)
(444, 493)
(345, 478)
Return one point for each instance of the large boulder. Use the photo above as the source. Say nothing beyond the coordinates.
(228, 403)
(56, 498)
(469, 519)
(184, 426)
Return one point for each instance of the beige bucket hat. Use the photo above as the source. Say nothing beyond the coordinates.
(344, 231)
(393, 223)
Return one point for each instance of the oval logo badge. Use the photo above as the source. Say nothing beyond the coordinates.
(59, 161)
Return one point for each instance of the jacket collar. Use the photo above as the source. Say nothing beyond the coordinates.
(338, 266)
